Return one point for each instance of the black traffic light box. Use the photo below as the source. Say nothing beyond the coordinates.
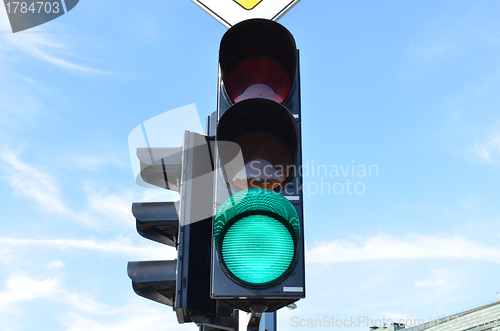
(183, 283)
(258, 236)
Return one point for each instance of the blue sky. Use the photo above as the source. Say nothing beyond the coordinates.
(411, 88)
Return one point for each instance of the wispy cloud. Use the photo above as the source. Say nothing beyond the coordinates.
(138, 315)
(438, 279)
(34, 48)
(34, 184)
(15, 111)
(94, 162)
(411, 247)
(19, 288)
(468, 203)
(121, 246)
(84, 303)
(43, 46)
(116, 207)
(22, 96)
(80, 311)
(56, 264)
(488, 150)
(42, 188)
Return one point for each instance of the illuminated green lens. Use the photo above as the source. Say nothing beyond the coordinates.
(259, 247)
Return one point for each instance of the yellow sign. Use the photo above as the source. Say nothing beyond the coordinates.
(231, 12)
(248, 4)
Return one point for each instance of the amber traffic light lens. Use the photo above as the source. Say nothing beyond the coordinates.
(267, 161)
(257, 142)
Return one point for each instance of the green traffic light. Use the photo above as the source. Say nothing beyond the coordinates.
(257, 235)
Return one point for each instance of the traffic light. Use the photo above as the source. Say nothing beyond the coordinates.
(156, 280)
(257, 235)
(183, 283)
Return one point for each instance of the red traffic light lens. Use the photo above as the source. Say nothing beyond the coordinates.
(258, 77)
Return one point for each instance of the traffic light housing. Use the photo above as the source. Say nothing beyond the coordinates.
(183, 283)
(156, 280)
(257, 236)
